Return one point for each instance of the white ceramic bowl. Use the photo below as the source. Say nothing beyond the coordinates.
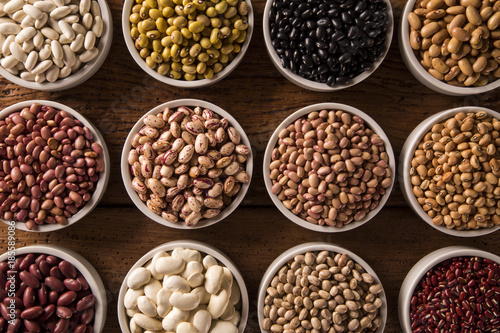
(127, 179)
(289, 254)
(103, 176)
(84, 267)
(86, 71)
(181, 83)
(302, 112)
(318, 86)
(204, 248)
(419, 71)
(405, 165)
(414, 276)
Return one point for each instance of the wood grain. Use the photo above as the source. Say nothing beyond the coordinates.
(116, 234)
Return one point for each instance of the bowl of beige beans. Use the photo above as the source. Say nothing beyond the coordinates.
(323, 288)
(188, 44)
(53, 45)
(452, 47)
(187, 164)
(329, 167)
(449, 171)
(54, 166)
(183, 286)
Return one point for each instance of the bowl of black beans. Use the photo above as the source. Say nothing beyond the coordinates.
(327, 45)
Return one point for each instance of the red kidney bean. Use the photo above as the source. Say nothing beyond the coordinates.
(63, 312)
(83, 282)
(42, 294)
(44, 267)
(32, 313)
(85, 303)
(35, 271)
(72, 284)
(80, 328)
(48, 311)
(29, 297)
(87, 316)
(32, 326)
(67, 298)
(30, 279)
(67, 269)
(53, 296)
(458, 293)
(62, 325)
(54, 284)
(56, 272)
(3, 294)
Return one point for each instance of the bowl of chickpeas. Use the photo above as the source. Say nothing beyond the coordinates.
(185, 43)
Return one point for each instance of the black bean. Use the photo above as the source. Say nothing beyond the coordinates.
(360, 6)
(309, 44)
(334, 12)
(321, 33)
(337, 23)
(316, 59)
(346, 18)
(307, 60)
(324, 22)
(353, 32)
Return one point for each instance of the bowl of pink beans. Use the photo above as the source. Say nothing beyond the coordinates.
(453, 289)
(54, 166)
(46, 288)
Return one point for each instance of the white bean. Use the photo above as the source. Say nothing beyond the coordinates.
(218, 303)
(176, 283)
(167, 265)
(28, 46)
(152, 288)
(90, 39)
(9, 28)
(58, 62)
(57, 50)
(76, 66)
(131, 297)
(13, 70)
(2, 12)
(2, 40)
(79, 29)
(146, 322)
(97, 26)
(163, 303)
(60, 12)
(45, 6)
(18, 16)
(213, 279)
(9, 62)
(40, 78)
(209, 261)
(27, 76)
(146, 306)
(235, 294)
(195, 280)
(45, 52)
(17, 52)
(131, 312)
(77, 44)
(134, 328)
(63, 40)
(49, 33)
(202, 294)
(33, 12)
(202, 321)
(95, 9)
(228, 313)
(69, 57)
(6, 20)
(6, 45)
(52, 74)
(38, 40)
(192, 267)
(174, 318)
(87, 21)
(138, 277)
(59, 3)
(184, 301)
(221, 326)
(13, 6)
(20, 66)
(71, 19)
(74, 8)
(236, 318)
(27, 22)
(88, 55)
(42, 67)
(187, 254)
(25, 34)
(186, 327)
(67, 30)
(65, 72)
(85, 6)
(39, 24)
(152, 269)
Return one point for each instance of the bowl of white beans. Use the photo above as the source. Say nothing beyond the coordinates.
(183, 286)
(53, 46)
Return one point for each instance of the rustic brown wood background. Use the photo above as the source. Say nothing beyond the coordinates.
(116, 233)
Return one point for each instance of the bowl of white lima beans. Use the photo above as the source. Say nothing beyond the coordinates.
(53, 45)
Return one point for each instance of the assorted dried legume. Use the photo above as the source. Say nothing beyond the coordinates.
(328, 42)
(51, 295)
(188, 164)
(183, 291)
(330, 168)
(457, 41)
(322, 292)
(50, 166)
(458, 295)
(48, 40)
(455, 172)
(186, 39)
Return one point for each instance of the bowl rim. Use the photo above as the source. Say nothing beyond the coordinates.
(430, 260)
(83, 266)
(284, 257)
(127, 179)
(317, 86)
(186, 244)
(405, 164)
(86, 71)
(421, 74)
(102, 183)
(318, 107)
(125, 24)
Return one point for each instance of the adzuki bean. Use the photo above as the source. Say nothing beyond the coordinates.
(328, 41)
(329, 168)
(41, 301)
(458, 295)
(50, 165)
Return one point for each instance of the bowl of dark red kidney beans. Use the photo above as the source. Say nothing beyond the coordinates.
(47, 288)
(327, 45)
(453, 289)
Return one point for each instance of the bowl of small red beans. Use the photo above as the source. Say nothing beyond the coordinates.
(47, 288)
(54, 166)
(453, 289)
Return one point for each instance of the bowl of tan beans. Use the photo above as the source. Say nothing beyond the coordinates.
(449, 171)
(452, 47)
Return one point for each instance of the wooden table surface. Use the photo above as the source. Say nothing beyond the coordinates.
(116, 233)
